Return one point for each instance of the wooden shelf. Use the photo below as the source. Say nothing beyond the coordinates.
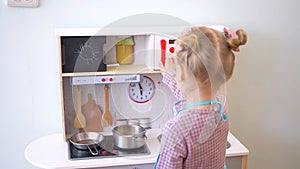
(116, 69)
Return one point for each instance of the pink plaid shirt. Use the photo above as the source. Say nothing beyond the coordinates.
(195, 139)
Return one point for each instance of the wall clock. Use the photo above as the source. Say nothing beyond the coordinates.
(143, 91)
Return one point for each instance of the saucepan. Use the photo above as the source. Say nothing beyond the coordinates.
(87, 141)
(129, 136)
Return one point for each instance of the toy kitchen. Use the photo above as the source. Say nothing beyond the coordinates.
(109, 80)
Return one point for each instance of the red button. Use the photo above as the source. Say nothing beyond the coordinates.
(111, 79)
(103, 79)
(114, 151)
(103, 152)
(172, 49)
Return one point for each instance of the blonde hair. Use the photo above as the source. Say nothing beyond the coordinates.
(207, 53)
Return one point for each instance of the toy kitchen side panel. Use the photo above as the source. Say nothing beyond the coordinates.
(234, 162)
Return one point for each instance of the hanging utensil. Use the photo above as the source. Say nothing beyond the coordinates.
(79, 120)
(106, 120)
(93, 114)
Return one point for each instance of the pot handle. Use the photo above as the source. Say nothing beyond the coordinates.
(145, 137)
(136, 135)
(93, 153)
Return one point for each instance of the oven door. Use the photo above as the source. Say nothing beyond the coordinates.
(82, 54)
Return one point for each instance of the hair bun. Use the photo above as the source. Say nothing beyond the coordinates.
(235, 41)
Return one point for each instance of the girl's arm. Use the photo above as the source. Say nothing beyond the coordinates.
(169, 78)
(170, 81)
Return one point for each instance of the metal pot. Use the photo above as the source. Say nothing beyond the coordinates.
(145, 122)
(129, 136)
(87, 140)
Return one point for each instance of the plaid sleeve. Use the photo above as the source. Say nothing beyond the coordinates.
(170, 81)
(173, 147)
(170, 159)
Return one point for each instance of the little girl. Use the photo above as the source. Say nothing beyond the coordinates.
(196, 137)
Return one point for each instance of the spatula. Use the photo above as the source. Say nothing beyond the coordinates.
(79, 120)
(106, 120)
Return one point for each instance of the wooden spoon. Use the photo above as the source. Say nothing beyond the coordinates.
(79, 120)
(106, 120)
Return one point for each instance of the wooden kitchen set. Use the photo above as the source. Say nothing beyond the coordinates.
(110, 77)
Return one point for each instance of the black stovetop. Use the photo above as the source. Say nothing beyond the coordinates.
(106, 149)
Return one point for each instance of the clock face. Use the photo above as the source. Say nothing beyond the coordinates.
(143, 91)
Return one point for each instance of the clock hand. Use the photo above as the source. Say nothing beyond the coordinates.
(141, 89)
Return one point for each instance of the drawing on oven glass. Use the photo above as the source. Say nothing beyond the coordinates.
(88, 53)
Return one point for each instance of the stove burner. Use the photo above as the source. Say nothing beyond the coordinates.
(107, 149)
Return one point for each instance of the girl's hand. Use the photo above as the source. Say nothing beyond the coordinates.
(169, 67)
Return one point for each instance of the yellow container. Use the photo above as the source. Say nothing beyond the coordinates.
(125, 51)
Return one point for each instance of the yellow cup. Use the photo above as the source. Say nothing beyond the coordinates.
(125, 51)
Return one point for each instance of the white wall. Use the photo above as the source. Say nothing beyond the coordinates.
(263, 94)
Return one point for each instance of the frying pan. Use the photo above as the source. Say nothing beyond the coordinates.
(87, 140)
